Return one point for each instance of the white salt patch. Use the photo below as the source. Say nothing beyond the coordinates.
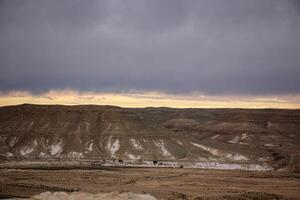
(26, 150)
(216, 165)
(235, 140)
(161, 145)
(9, 155)
(136, 144)
(244, 135)
(215, 136)
(74, 154)
(91, 147)
(236, 157)
(133, 157)
(56, 149)
(165, 151)
(42, 154)
(109, 142)
(201, 165)
(217, 152)
(13, 141)
(243, 143)
(262, 159)
(209, 149)
(113, 147)
(30, 125)
(202, 159)
(210, 158)
(270, 145)
(148, 163)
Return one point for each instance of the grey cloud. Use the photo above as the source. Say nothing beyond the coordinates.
(175, 46)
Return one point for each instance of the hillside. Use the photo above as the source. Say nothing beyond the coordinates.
(224, 137)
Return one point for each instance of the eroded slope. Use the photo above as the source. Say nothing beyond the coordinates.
(213, 136)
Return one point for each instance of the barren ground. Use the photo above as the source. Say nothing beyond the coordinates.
(163, 183)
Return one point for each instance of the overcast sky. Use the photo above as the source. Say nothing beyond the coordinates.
(215, 47)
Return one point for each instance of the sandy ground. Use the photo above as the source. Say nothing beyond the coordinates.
(162, 183)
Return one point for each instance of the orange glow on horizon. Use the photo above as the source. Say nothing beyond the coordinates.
(149, 99)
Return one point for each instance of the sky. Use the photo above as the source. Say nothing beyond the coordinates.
(136, 53)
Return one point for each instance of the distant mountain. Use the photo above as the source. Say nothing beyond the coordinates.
(226, 136)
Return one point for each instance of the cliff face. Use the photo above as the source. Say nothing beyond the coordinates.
(34, 132)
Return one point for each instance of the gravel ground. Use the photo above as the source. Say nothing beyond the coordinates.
(162, 183)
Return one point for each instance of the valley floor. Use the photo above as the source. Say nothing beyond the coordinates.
(163, 183)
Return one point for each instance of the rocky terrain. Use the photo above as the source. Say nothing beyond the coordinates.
(263, 139)
(89, 196)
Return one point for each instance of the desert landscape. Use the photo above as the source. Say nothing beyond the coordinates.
(164, 152)
(161, 183)
(150, 100)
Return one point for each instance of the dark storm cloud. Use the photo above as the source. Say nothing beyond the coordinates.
(212, 46)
